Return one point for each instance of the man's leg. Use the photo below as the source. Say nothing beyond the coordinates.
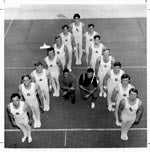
(65, 94)
(70, 59)
(57, 85)
(77, 53)
(23, 129)
(72, 96)
(80, 52)
(94, 97)
(54, 86)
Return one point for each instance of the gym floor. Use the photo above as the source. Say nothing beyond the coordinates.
(67, 125)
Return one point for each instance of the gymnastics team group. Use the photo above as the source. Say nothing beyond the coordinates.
(103, 78)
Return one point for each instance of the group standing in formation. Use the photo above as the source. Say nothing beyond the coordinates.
(103, 78)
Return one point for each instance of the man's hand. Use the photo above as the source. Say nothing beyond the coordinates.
(91, 92)
(72, 88)
(87, 96)
(64, 93)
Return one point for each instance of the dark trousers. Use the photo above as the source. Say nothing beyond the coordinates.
(70, 94)
(93, 96)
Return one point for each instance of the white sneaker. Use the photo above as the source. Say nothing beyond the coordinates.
(54, 94)
(124, 136)
(29, 139)
(57, 94)
(70, 69)
(100, 94)
(47, 108)
(38, 124)
(24, 138)
(109, 108)
(44, 46)
(35, 124)
(92, 105)
(77, 63)
(118, 123)
(104, 94)
(113, 109)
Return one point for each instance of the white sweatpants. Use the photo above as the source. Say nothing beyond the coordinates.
(46, 97)
(127, 122)
(69, 66)
(55, 82)
(101, 75)
(79, 51)
(34, 105)
(24, 126)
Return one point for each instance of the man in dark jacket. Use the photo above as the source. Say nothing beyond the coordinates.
(68, 85)
(88, 86)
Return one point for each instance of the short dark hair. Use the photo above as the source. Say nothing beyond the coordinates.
(38, 64)
(50, 49)
(97, 36)
(25, 75)
(91, 25)
(15, 95)
(125, 76)
(106, 49)
(133, 90)
(76, 15)
(65, 26)
(57, 37)
(65, 70)
(117, 64)
(90, 70)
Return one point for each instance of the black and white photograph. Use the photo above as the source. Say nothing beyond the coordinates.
(75, 75)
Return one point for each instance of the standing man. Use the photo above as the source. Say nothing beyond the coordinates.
(68, 85)
(55, 67)
(95, 50)
(20, 115)
(61, 51)
(88, 86)
(88, 39)
(68, 40)
(29, 90)
(104, 64)
(111, 80)
(42, 77)
(129, 112)
(78, 29)
(120, 92)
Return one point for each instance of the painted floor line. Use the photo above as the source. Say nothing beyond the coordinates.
(65, 140)
(125, 67)
(11, 21)
(77, 129)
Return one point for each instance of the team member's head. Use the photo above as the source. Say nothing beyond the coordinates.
(97, 39)
(51, 52)
(125, 80)
(90, 72)
(66, 73)
(38, 67)
(15, 98)
(106, 52)
(133, 94)
(58, 40)
(26, 80)
(117, 67)
(91, 28)
(65, 29)
(76, 18)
